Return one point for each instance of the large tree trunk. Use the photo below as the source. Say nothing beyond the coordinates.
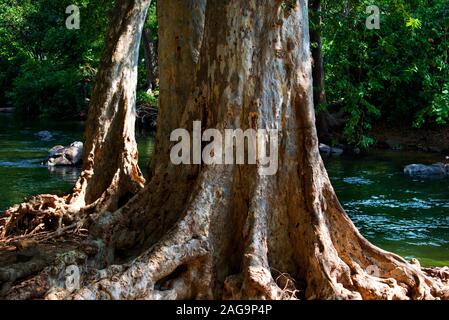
(226, 231)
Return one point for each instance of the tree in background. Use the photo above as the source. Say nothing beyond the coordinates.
(326, 122)
(149, 46)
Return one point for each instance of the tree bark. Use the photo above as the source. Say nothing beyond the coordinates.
(110, 168)
(225, 231)
(325, 121)
(150, 56)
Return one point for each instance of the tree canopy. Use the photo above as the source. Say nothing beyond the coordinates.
(398, 73)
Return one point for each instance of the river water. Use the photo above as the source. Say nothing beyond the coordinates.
(407, 216)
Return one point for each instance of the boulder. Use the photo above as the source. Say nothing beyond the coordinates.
(330, 151)
(56, 151)
(422, 170)
(66, 156)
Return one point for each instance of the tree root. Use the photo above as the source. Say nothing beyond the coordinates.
(46, 216)
(38, 214)
(149, 275)
(187, 263)
(29, 274)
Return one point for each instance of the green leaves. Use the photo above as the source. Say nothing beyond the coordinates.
(46, 67)
(397, 73)
(413, 23)
(150, 99)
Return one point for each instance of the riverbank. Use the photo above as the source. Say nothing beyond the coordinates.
(426, 139)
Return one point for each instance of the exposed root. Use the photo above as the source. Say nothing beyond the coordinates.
(185, 263)
(347, 266)
(41, 265)
(46, 216)
(289, 286)
(148, 276)
(72, 231)
(38, 214)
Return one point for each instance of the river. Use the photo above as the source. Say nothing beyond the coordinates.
(401, 214)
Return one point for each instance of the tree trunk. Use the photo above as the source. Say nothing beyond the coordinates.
(325, 122)
(319, 93)
(110, 167)
(226, 231)
(150, 56)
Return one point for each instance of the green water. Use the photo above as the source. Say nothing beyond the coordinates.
(22, 153)
(404, 215)
(408, 216)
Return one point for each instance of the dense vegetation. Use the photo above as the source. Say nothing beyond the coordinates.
(47, 69)
(398, 73)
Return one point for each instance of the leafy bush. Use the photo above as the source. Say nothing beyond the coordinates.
(43, 89)
(148, 98)
(47, 69)
(397, 74)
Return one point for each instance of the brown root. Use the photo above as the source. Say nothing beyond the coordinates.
(43, 213)
(45, 216)
(185, 263)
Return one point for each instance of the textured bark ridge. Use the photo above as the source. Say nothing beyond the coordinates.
(224, 231)
(110, 174)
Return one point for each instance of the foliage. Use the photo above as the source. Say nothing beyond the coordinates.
(45, 68)
(49, 68)
(398, 73)
(148, 98)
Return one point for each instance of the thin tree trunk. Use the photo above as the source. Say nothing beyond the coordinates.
(150, 56)
(325, 121)
(110, 160)
(225, 231)
(319, 93)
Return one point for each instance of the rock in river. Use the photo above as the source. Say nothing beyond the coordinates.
(422, 170)
(44, 135)
(330, 151)
(66, 156)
